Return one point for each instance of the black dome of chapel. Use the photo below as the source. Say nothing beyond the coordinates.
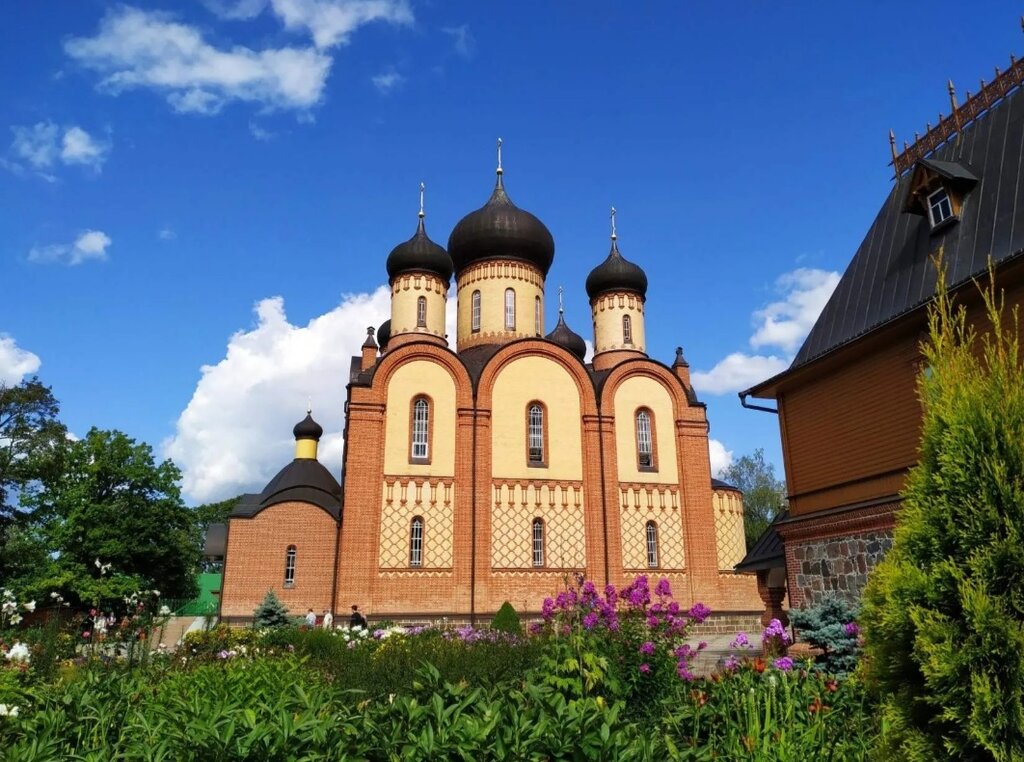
(565, 337)
(616, 273)
(307, 428)
(420, 254)
(501, 230)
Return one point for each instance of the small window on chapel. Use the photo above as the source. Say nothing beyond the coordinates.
(940, 208)
(627, 329)
(475, 312)
(289, 567)
(535, 434)
(421, 312)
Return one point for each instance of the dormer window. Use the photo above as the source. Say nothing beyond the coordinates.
(940, 208)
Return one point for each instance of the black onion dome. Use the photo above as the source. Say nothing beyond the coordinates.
(384, 333)
(420, 254)
(616, 273)
(565, 337)
(307, 428)
(501, 230)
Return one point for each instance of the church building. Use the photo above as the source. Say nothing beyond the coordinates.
(497, 464)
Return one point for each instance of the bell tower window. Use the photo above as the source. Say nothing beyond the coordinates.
(475, 312)
(510, 309)
(627, 329)
(538, 323)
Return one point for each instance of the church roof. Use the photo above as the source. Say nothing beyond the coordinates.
(891, 273)
(616, 273)
(304, 480)
(419, 254)
(768, 552)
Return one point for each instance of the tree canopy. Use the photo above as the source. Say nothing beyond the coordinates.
(764, 496)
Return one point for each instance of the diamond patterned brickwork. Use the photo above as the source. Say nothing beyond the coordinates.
(730, 538)
(405, 497)
(660, 504)
(517, 504)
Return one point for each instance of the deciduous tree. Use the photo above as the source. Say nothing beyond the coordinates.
(764, 496)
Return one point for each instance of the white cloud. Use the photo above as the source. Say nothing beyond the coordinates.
(235, 433)
(462, 39)
(387, 81)
(736, 372)
(783, 324)
(15, 362)
(166, 233)
(786, 323)
(44, 145)
(147, 49)
(331, 22)
(720, 457)
(259, 133)
(89, 245)
(240, 10)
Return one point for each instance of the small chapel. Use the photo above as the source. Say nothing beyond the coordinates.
(499, 464)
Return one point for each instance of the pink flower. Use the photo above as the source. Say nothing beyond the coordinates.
(647, 647)
(86, 634)
(645, 668)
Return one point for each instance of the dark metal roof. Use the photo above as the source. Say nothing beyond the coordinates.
(307, 428)
(565, 337)
(892, 274)
(384, 334)
(768, 552)
(216, 540)
(719, 484)
(616, 273)
(419, 254)
(501, 230)
(304, 480)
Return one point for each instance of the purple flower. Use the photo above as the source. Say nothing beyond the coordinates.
(611, 595)
(645, 668)
(683, 670)
(535, 628)
(653, 621)
(590, 620)
(548, 608)
(699, 612)
(774, 631)
(732, 663)
(851, 629)
(647, 647)
(588, 589)
(784, 663)
(741, 641)
(673, 608)
(663, 588)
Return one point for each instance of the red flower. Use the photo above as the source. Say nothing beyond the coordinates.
(816, 706)
(831, 686)
(758, 664)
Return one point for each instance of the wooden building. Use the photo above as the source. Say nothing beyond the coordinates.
(848, 408)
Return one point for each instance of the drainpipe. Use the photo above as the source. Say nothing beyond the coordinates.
(743, 401)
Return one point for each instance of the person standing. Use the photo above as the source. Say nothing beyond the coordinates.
(357, 621)
(328, 620)
(311, 618)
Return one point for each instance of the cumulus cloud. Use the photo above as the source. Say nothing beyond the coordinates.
(387, 81)
(783, 324)
(89, 245)
(148, 49)
(15, 362)
(331, 22)
(235, 432)
(462, 39)
(738, 371)
(786, 323)
(720, 457)
(44, 145)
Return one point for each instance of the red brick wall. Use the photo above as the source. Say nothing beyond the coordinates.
(255, 559)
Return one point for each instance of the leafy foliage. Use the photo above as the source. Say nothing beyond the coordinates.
(764, 496)
(830, 626)
(507, 620)
(943, 614)
(271, 612)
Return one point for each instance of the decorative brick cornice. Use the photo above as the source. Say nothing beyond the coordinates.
(500, 269)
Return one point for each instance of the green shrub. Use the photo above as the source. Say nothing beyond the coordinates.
(943, 614)
(830, 626)
(271, 613)
(507, 620)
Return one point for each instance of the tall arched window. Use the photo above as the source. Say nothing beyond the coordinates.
(538, 542)
(627, 329)
(538, 322)
(475, 311)
(652, 545)
(644, 439)
(420, 429)
(289, 567)
(421, 312)
(535, 433)
(510, 309)
(416, 541)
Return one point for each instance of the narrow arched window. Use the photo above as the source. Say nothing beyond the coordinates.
(644, 439)
(510, 309)
(652, 545)
(475, 311)
(289, 567)
(420, 429)
(421, 312)
(416, 541)
(535, 433)
(627, 329)
(538, 542)
(538, 322)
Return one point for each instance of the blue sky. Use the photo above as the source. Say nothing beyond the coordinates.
(190, 185)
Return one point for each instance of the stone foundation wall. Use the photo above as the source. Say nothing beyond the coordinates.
(837, 566)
